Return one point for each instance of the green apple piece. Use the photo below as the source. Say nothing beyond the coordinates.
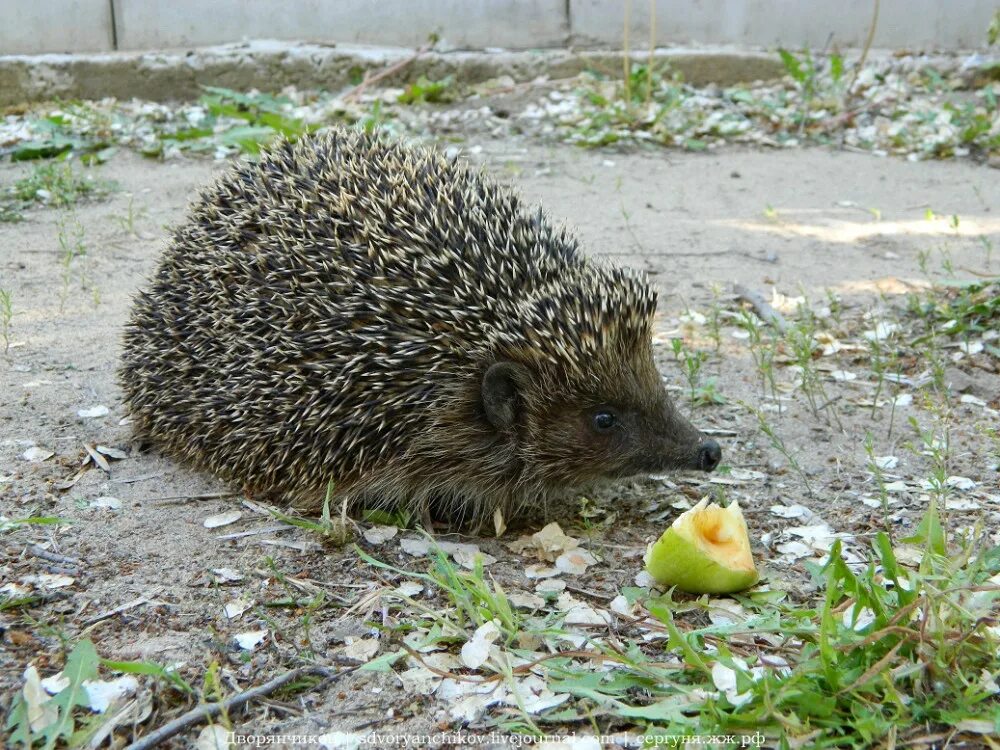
(705, 551)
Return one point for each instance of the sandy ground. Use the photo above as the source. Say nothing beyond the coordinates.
(802, 221)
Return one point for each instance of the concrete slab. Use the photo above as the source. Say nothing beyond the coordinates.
(180, 74)
(30, 27)
(517, 24)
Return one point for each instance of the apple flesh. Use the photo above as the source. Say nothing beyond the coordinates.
(705, 551)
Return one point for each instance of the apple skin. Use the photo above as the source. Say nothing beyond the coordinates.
(689, 560)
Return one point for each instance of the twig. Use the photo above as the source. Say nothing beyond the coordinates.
(37, 551)
(719, 432)
(170, 499)
(384, 73)
(864, 52)
(117, 610)
(207, 711)
(980, 274)
(626, 58)
(764, 310)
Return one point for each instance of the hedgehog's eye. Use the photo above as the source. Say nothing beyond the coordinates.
(604, 421)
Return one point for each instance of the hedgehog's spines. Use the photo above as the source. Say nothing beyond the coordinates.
(327, 313)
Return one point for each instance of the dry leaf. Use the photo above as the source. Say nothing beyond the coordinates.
(93, 412)
(222, 519)
(250, 640)
(35, 454)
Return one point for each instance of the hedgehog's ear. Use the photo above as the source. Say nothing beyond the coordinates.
(500, 386)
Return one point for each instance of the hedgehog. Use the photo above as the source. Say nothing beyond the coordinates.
(354, 319)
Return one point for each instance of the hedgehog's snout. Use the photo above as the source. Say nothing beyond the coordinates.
(709, 455)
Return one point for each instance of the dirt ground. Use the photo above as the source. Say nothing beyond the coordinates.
(802, 222)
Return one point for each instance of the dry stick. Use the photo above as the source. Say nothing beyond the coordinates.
(652, 48)
(764, 311)
(43, 553)
(207, 711)
(626, 60)
(117, 610)
(171, 499)
(864, 52)
(384, 73)
(980, 274)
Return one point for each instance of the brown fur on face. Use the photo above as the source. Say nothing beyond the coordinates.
(616, 421)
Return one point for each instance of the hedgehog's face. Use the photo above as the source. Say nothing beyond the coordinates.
(629, 429)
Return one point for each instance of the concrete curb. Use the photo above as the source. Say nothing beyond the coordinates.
(268, 65)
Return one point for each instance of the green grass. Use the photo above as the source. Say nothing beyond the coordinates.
(247, 122)
(882, 650)
(52, 183)
(65, 720)
(425, 91)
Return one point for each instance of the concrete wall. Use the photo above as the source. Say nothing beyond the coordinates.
(29, 27)
(464, 24)
(39, 26)
(912, 24)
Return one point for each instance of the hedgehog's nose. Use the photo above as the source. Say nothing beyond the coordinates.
(709, 455)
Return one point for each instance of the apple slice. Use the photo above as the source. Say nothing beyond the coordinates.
(705, 551)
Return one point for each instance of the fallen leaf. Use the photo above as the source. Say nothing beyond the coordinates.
(226, 575)
(97, 458)
(380, 534)
(102, 693)
(575, 561)
(222, 519)
(475, 653)
(409, 588)
(546, 544)
(42, 713)
(361, 649)
(114, 453)
(111, 503)
(237, 607)
(35, 454)
(212, 737)
(250, 640)
(93, 412)
(51, 580)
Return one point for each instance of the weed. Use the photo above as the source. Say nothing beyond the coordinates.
(307, 605)
(425, 91)
(987, 244)
(691, 362)
(66, 718)
(906, 644)
(71, 247)
(375, 119)
(58, 184)
(628, 223)
(836, 306)
(336, 532)
(6, 315)
(476, 600)
(59, 723)
(714, 317)
(937, 448)
(802, 340)
(763, 353)
(10, 211)
(803, 72)
(778, 444)
(879, 476)
(915, 646)
(128, 219)
(707, 394)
